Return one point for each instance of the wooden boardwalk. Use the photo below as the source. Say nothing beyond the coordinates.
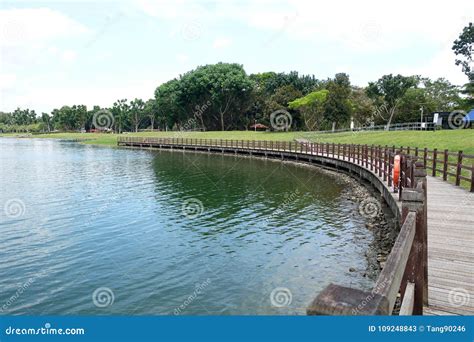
(450, 249)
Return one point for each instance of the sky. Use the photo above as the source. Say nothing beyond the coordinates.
(94, 52)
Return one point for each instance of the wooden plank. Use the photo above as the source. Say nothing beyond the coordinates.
(450, 249)
(435, 311)
(408, 300)
(389, 280)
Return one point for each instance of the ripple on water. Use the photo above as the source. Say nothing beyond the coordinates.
(97, 217)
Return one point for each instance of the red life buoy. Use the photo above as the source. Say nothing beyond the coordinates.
(396, 171)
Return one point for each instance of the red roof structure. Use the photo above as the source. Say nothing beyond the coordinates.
(259, 126)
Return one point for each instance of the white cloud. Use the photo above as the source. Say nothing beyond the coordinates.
(35, 25)
(69, 56)
(439, 65)
(181, 57)
(221, 43)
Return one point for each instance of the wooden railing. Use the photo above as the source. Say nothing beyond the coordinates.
(455, 167)
(405, 271)
(378, 159)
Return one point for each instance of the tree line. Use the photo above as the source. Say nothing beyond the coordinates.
(223, 97)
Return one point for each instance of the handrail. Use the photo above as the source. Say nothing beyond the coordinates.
(406, 265)
(378, 159)
(455, 167)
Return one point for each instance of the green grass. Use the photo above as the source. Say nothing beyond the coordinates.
(453, 140)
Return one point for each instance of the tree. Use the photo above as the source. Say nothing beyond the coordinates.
(226, 86)
(337, 107)
(464, 47)
(412, 103)
(168, 102)
(46, 120)
(312, 108)
(362, 107)
(120, 111)
(23, 117)
(137, 113)
(151, 112)
(387, 92)
(441, 94)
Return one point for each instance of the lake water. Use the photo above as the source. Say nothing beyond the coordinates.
(95, 230)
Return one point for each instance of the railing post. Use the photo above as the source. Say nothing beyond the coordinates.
(341, 300)
(472, 177)
(372, 158)
(445, 165)
(390, 167)
(381, 164)
(435, 155)
(425, 156)
(459, 168)
(415, 271)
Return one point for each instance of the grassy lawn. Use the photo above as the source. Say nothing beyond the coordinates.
(453, 140)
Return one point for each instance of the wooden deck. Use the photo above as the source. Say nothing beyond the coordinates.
(450, 249)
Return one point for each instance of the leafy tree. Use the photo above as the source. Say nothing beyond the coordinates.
(337, 108)
(46, 120)
(464, 47)
(120, 112)
(362, 107)
(168, 101)
(151, 112)
(226, 86)
(137, 113)
(23, 117)
(312, 108)
(441, 94)
(412, 104)
(387, 92)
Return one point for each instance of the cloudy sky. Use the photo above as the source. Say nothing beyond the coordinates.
(95, 52)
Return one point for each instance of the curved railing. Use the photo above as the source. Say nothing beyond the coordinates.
(405, 271)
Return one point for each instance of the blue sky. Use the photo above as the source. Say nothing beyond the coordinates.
(95, 52)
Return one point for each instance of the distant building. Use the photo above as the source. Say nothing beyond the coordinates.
(469, 119)
(450, 120)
